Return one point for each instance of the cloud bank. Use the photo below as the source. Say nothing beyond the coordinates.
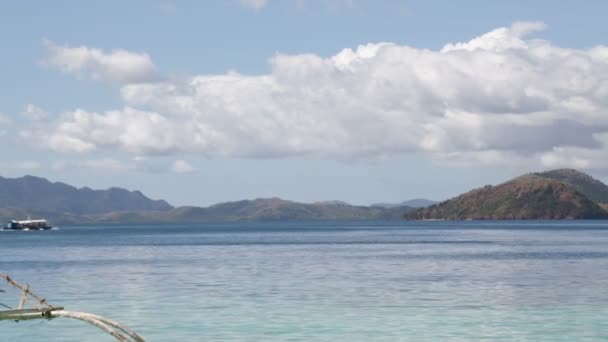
(500, 96)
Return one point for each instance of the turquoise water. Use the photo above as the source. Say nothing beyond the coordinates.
(360, 281)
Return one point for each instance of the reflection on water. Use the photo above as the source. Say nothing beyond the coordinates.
(320, 281)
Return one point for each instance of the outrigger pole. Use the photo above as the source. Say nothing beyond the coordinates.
(46, 311)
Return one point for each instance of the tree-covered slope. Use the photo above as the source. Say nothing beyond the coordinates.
(584, 183)
(262, 209)
(526, 197)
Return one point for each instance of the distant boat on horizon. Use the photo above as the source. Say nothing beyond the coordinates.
(40, 224)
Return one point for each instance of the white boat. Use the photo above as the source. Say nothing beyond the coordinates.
(41, 224)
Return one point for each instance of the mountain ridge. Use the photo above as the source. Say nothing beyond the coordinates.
(40, 194)
(262, 209)
(554, 194)
(61, 203)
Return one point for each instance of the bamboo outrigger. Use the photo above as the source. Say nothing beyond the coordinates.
(46, 311)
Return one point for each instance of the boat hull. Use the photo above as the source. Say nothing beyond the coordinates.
(26, 229)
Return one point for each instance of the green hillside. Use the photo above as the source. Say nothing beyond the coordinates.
(585, 184)
(263, 209)
(526, 197)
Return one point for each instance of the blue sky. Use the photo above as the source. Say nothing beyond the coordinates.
(201, 102)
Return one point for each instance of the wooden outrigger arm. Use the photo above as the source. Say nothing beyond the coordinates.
(46, 311)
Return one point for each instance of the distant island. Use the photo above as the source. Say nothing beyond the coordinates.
(38, 194)
(556, 194)
(61, 203)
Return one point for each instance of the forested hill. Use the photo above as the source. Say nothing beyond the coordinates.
(532, 196)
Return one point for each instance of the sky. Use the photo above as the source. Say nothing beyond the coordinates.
(200, 102)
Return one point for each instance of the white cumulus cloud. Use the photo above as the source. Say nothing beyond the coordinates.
(118, 65)
(134, 130)
(498, 96)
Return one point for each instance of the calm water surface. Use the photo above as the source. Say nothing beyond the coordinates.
(360, 281)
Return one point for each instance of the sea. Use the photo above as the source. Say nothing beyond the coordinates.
(317, 281)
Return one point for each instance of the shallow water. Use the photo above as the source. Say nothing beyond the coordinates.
(356, 281)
